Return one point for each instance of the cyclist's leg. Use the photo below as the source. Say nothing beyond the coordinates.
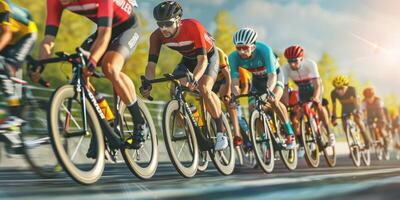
(231, 109)
(358, 119)
(280, 109)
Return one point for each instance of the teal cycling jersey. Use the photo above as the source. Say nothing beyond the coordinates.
(261, 63)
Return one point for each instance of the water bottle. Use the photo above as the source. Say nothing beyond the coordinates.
(196, 115)
(105, 108)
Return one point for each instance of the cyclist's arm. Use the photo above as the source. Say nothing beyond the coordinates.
(150, 72)
(333, 100)
(285, 96)
(227, 74)
(201, 66)
(235, 87)
(245, 89)
(100, 45)
(317, 87)
(46, 47)
(154, 52)
(272, 77)
(5, 36)
(6, 33)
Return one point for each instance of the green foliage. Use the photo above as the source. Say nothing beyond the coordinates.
(224, 32)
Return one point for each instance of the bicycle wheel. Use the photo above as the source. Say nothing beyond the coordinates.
(309, 139)
(262, 143)
(142, 162)
(204, 159)
(352, 136)
(70, 141)
(378, 145)
(365, 153)
(180, 139)
(329, 151)
(223, 160)
(289, 156)
(36, 140)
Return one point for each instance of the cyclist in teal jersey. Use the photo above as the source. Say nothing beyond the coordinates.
(259, 59)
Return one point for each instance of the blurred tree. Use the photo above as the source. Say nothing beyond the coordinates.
(224, 32)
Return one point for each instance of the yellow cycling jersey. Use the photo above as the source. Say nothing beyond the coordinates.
(223, 62)
(17, 19)
(244, 76)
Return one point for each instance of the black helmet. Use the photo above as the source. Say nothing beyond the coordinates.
(167, 10)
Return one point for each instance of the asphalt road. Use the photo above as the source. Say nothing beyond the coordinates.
(379, 181)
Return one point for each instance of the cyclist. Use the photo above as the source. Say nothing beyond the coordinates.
(17, 36)
(347, 96)
(259, 59)
(200, 57)
(222, 86)
(304, 73)
(373, 108)
(113, 42)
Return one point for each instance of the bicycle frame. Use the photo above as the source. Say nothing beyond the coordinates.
(78, 81)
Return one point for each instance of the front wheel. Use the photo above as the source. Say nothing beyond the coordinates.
(142, 162)
(70, 141)
(180, 139)
(353, 143)
(262, 142)
(309, 139)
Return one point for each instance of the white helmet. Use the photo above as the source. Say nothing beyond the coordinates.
(245, 36)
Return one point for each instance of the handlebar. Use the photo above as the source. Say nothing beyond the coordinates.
(61, 57)
(167, 77)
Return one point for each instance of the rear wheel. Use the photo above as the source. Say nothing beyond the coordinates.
(329, 150)
(223, 160)
(289, 156)
(70, 141)
(262, 142)
(142, 162)
(180, 139)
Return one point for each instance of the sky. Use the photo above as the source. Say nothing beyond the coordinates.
(363, 36)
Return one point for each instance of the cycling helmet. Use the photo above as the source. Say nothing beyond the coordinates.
(369, 92)
(340, 81)
(293, 52)
(245, 36)
(167, 10)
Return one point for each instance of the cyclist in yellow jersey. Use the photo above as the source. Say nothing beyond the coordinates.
(222, 86)
(17, 36)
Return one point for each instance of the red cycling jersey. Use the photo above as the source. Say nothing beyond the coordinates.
(108, 13)
(192, 40)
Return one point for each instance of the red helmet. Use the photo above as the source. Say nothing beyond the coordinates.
(295, 51)
(369, 92)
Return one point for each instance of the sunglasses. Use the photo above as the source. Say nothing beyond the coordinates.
(293, 60)
(243, 48)
(167, 24)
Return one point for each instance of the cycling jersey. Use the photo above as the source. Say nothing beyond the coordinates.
(303, 77)
(223, 62)
(373, 109)
(105, 13)
(191, 41)
(244, 76)
(17, 19)
(260, 64)
(347, 99)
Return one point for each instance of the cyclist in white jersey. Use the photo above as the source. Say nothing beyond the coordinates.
(304, 73)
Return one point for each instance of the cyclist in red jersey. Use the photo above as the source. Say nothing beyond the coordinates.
(113, 42)
(191, 39)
